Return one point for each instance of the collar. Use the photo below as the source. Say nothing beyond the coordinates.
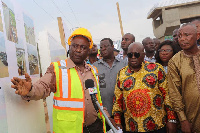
(70, 64)
(88, 61)
(140, 68)
(197, 54)
(102, 61)
(153, 57)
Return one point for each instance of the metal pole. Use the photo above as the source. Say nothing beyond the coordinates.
(106, 117)
(44, 100)
(120, 21)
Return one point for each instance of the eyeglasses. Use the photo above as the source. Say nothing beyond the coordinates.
(136, 55)
(164, 50)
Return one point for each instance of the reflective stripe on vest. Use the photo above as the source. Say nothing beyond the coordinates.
(69, 104)
(64, 79)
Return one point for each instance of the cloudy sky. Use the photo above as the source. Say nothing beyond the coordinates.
(98, 16)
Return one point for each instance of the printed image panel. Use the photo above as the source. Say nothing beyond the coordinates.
(29, 30)
(33, 60)
(57, 55)
(10, 22)
(20, 54)
(1, 24)
(3, 58)
(57, 51)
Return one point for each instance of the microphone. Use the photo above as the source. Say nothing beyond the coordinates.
(89, 84)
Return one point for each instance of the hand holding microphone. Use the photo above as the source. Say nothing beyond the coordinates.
(89, 84)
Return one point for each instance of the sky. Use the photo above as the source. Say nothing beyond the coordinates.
(100, 17)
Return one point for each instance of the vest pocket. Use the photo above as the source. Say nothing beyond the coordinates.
(66, 122)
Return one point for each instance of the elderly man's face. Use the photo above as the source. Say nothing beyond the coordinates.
(149, 46)
(175, 36)
(79, 49)
(137, 58)
(187, 37)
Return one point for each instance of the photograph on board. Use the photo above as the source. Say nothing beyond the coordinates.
(1, 24)
(29, 30)
(57, 51)
(3, 58)
(32, 59)
(20, 54)
(10, 22)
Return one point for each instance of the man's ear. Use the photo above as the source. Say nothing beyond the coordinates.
(144, 53)
(198, 35)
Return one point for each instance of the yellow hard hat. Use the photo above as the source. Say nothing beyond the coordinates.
(83, 32)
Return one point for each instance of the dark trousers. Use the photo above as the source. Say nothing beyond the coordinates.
(96, 127)
(162, 130)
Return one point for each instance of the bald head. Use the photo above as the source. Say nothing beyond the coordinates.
(136, 45)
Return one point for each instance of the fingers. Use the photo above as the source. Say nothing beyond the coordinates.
(28, 79)
(17, 79)
(18, 92)
(14, 86)
(14, 82)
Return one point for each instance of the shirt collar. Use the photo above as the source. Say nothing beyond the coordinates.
(70, 64)
(150, 58)
(116, 59)
(142, 66)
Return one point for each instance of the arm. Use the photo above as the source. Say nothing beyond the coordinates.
(118, 102)
(163, 87)
(174, 81)
(39, 90)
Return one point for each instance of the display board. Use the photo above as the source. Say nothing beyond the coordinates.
(18, 55)
(50, 50)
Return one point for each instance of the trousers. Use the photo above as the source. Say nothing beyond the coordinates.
(96, 127)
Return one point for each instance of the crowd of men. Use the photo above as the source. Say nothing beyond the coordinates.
(151, 87)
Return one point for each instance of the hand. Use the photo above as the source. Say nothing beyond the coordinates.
(186, 127)
(120, 126)
(113, 122)
(22, 86)
(171, 127)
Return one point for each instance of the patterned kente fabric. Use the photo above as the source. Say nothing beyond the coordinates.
(143, 98)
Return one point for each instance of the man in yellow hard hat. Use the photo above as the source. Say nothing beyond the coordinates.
(73, 110)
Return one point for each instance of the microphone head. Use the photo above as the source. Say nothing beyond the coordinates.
(89, 83)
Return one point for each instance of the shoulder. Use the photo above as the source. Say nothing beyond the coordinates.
(98, 62)
(121, 62)
(176, 58)
(151, 67)
(123, 70)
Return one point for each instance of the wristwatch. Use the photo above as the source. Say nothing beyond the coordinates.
(172, 121)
